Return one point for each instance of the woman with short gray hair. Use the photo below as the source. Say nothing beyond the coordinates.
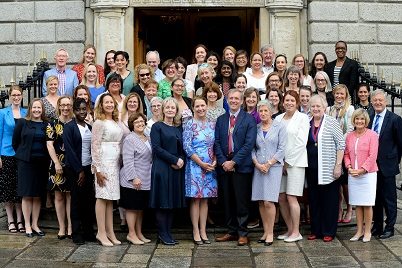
(268, 156)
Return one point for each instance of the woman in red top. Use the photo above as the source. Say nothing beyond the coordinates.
(89, 56)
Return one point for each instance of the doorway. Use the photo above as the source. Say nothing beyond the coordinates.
(175, 32)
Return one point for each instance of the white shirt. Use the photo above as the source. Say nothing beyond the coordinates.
(86, 136)
(159, 75)
(381, 120)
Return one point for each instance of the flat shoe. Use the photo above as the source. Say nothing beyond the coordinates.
(261, 241)
(12, 229)
(282, 237)
(21, 229)
(30, 235)
(198, 242)
(293, 239)
(312, 237)
(328, 238)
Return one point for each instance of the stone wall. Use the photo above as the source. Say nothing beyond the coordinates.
(372, 27)
(28, 28)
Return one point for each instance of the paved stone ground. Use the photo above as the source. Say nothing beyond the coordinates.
(16, 250)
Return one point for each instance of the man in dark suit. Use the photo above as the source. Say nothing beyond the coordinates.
(389, 127)
(235, 135)
(343, 70)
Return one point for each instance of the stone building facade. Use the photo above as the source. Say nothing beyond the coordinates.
(372, 27)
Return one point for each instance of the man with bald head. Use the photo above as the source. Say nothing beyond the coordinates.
(153, 60)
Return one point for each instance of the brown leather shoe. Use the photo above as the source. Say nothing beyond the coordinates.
(226, 237)
(243, 240)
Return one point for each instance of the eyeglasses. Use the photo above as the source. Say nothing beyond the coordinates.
(320, 80)
(115, 82)
(65, 105)
(143, 75)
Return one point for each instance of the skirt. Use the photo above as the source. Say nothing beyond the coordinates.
(132, 199)
(8, 180)
(362, 189)
(293, 183)
(32, 177)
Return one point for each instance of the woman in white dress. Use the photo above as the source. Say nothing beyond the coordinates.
(360, 161)
(105, 149)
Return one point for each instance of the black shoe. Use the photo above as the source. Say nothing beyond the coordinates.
(261, 241)
(78, 240)
(30, 235)
(198, 242)
(387, 234)
(376, 231)
(61, 237)
(166, 242)
(38, 233)
(205, 241)
(267, 244)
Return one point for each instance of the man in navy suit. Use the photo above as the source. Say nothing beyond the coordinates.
(235, 135)
(389, 127)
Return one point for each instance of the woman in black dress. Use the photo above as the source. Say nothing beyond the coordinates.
(167, 175)
(58, 181)
(29, 143)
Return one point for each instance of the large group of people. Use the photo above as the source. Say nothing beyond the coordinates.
(249, 131)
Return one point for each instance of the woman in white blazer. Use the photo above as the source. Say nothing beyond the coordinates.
(297, 128)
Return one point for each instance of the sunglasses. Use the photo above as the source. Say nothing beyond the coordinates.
(143, 75)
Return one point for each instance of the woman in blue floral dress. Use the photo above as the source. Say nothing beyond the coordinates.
(200, 175)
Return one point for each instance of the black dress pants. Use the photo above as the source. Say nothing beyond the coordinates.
(236, 191)
(82, 203)
(386, 199)
(324, 204)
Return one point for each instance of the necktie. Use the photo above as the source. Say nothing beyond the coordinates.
(231, 128)
(377, 123)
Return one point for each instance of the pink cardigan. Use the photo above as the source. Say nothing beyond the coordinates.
(367, 149)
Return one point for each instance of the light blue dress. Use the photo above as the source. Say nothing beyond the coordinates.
(198, 138)
(272, 145)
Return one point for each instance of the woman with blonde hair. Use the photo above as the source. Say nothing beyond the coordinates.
(142, 74)
(228, 54)
(90, 79)
(342, 111)
(167, 175)
(105, 148)
(58, 181)
(50, 101)
(89, 56)
(131, 104)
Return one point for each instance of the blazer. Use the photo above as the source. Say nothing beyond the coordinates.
(390, 144)
(71, 81)
(23, 137)
(297, 130)
(7, 125)
(367, 149)
(73, 146)
(244, 136)
(349, 74)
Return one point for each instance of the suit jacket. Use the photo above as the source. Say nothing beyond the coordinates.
(349, 74)
(7, 125)
(71, 81)
(244, 137)
(297, 130)
(390, 144)
(73, 146)
(23, 137)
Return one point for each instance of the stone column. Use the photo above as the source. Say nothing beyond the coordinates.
(285, 26)
(109, 26)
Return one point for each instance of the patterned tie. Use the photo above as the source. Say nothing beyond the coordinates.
(231, 128)
(377, 123)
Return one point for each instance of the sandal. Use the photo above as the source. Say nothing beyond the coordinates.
(12, 229)
(22, 228)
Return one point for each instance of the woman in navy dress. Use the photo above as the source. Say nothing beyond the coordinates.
(200, 175)
(167, 175)
(29, 143)
(8, 163)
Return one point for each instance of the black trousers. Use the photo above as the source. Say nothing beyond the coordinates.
(82, 203)
(324, 204)
(236, 191)
(386, 199)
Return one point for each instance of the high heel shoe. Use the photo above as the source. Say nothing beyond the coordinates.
(105, 244)
(135, 242)
(365, 240)
(356, 238)
(145, 240)
(114, 241)
(205, 241)
(198, 242)
(267, 244)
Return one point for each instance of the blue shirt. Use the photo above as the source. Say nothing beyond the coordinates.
(71, 81)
